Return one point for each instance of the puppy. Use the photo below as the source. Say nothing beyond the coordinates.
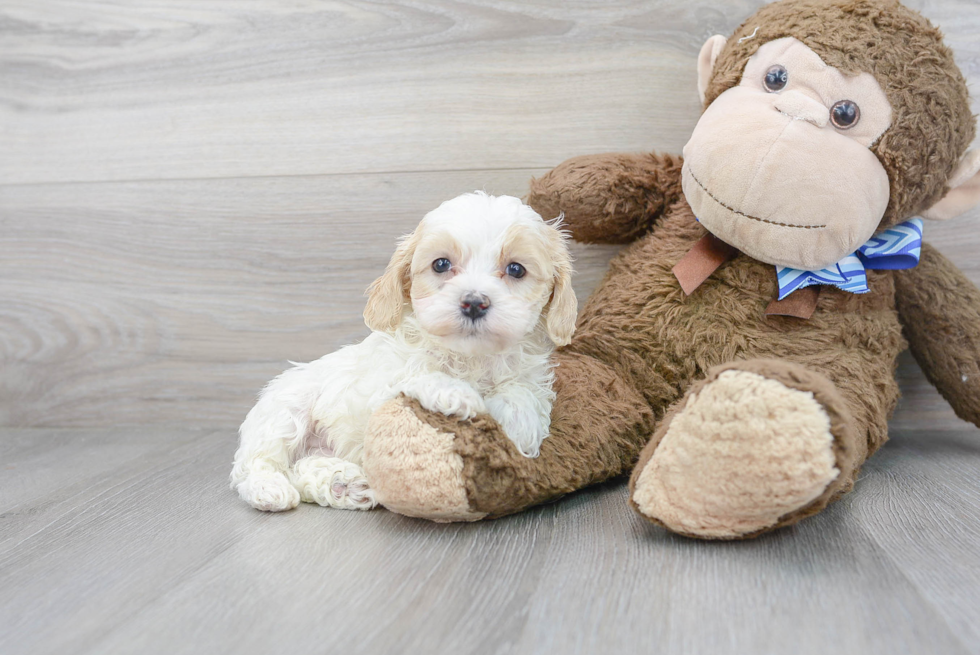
(464, 319)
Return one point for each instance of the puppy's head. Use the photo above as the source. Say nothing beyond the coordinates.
(480, 272)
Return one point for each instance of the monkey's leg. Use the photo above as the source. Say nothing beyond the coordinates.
(432, 466)
(755, 446)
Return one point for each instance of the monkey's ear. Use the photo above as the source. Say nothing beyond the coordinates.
(964, 190)
(706, 61)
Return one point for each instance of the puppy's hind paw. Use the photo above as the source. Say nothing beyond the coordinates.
(268, 491)
(332, 482)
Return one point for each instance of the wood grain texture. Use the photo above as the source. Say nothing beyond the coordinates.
(95, 90)
(134, 543)
(121, 90)
(193, 194)
(175, 301)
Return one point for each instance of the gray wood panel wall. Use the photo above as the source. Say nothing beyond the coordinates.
(193, 192)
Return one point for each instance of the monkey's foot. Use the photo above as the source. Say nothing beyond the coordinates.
(755, 446)
(413, 467)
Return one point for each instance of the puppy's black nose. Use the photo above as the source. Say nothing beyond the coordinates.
(474, 305)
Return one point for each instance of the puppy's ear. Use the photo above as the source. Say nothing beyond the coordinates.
(387, 294)
(563, 309)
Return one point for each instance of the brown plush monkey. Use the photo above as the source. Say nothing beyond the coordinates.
(746, 400)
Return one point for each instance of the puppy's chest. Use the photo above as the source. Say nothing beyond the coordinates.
(489, 373)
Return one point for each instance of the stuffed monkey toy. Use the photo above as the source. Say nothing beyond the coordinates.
(740, 354)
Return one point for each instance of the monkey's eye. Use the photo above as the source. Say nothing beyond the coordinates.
(515, 270)
(775, 79)
(845, 114)
(441, 265)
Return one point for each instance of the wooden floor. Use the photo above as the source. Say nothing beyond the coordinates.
(193, 192)
(129, 541)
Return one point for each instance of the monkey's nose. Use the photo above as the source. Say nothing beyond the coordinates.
(474, 305)
(802, 107)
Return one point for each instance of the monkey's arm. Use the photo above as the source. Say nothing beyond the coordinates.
(940, 311)
(612, 198)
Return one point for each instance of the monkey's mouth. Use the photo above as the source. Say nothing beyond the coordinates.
(743, 214)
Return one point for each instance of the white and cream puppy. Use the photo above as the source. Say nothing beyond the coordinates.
(464, 319)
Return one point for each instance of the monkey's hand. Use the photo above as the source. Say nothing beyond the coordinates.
(612, 198)
(940, 311)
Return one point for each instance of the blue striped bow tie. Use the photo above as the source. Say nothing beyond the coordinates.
(896, 248)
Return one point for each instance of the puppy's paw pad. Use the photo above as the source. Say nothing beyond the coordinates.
(269, 492)
(333, 482)
(360, 495)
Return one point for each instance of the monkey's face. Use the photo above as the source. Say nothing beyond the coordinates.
(780, 166)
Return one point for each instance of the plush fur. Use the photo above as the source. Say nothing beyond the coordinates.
(643, 185)
(429, 472)
(934, 124)
(941, 319)
(304, 439)
(743, 451)
(846, 452)
(646, 354)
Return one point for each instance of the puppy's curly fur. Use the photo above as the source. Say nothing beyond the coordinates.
(465, 319)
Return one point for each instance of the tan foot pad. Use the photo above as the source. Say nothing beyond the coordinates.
(743, 452)
(412, 468)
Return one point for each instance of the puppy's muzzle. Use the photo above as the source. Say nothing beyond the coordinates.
(474, 305)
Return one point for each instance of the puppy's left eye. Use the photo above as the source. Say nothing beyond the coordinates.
(515, 270)
(441, 265)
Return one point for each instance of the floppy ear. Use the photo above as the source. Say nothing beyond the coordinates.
(563, 309)
(387, 294)
(706, 61)
(964, 190)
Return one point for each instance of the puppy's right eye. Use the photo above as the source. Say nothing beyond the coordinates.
(441, 265)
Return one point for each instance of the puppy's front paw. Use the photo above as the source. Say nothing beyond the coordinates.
(450, 397)
(523, 424)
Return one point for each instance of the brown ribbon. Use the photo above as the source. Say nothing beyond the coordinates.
(800, 303)
(707, 256)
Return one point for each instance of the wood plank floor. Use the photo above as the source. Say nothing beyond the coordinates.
(193, 192)
(129, 541)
